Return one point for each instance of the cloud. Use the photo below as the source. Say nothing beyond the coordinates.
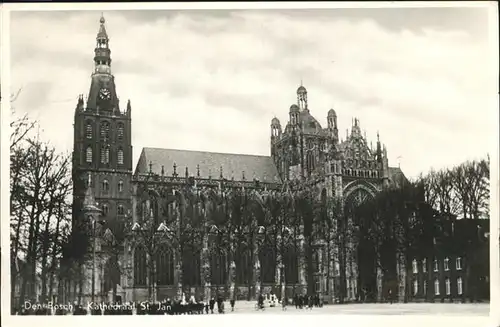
(213, 80)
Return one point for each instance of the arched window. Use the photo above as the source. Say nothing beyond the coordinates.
(415, 287)
(191, 266)
(105, 209)
(218, 267)
(291, 265)
(448, 286)
(165, 266)
(88, 130)
(120, 210)
(244, 266)
(105, 154)
(436, 265)
(120, 131)
(105, 185)
(267, 258)
(446, 264)
(436, 286)
(105, 130)
(88, 155)
(310, 162)
(120, 186)
(120, 156)
(459, 286)
(139, 266)
(415, 266)
(459, 263)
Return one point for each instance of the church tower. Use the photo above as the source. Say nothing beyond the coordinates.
(102, 147)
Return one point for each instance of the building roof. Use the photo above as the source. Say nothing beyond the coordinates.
(397, 176)
(209, 163)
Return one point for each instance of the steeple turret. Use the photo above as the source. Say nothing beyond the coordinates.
(302, 97)
(102, 95)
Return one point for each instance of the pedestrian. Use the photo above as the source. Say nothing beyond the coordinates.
(390, 296)
(212, 305)
(284, 301)
(232, 304)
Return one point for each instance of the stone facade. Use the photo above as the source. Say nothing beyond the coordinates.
(182, 203)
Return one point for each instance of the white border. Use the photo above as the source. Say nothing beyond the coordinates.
(287, 320)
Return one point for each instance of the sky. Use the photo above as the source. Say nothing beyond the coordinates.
(212, 80)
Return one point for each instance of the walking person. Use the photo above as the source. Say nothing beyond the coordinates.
(284, 303)
(232, 304)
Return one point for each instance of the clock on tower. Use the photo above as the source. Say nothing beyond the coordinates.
(104, 94)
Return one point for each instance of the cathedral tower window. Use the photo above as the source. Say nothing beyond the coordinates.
(120, 156)
(120, 186)
(105, 185)
(105, 155)
(120, 131)
(105, 130)
(88, 155)
(88, 130)
(105, 209)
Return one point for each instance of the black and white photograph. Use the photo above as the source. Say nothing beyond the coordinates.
(264, 161)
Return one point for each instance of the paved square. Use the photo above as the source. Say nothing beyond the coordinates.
(450, 309)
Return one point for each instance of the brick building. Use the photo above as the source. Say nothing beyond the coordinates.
(458, 268)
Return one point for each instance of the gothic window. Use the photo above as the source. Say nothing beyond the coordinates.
(140, 266)
(459, 263)
(243, 267)
(267, 258)
(105, 154)
(120, 156)
(105, 130)
(310, 162)
(291, 265)
(120, 210)
(436, 286)
(88, 155)
(424, 265)
(425, 287)
(436, 265)
(415, 287)
(218, 267)
(105, 185)
(120, 186)
(459, 286)
(88, 130)
(191, 267)
(446, 264)
(105, 209)
(415, 266)
(165, 265)
(120, 131)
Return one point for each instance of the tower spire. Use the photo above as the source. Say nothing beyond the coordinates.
(102, 58)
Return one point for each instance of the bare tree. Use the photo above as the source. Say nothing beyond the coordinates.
(39, 186)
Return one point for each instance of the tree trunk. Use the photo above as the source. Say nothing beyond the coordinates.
(45, 250)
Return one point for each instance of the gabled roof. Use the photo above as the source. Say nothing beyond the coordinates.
(209, 163)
